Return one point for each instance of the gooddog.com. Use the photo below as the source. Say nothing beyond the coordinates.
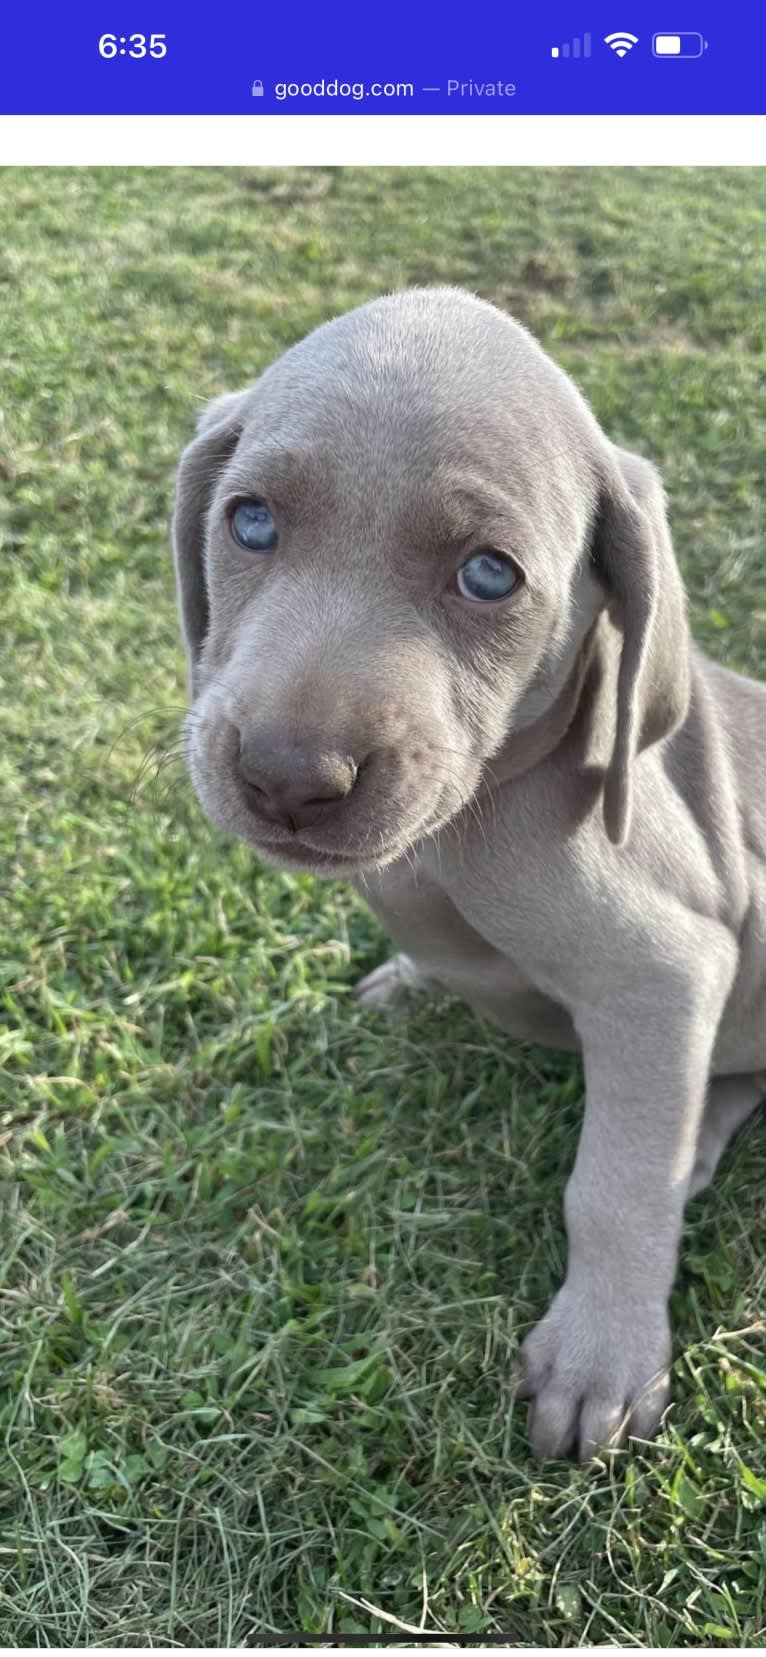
(343, 89)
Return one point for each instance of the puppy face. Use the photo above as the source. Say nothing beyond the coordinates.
(384, 572)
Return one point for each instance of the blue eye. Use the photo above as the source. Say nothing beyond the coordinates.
(253, 526)
(487, 575)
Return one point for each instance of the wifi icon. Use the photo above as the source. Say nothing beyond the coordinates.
(621, 42)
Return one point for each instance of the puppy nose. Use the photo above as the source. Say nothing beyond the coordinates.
(296, 784)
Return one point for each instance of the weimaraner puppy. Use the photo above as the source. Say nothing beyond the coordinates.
(438, 645)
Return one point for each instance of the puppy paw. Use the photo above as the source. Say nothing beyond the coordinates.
(596, 1372)
(389, 982)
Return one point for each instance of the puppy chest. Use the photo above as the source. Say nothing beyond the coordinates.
(421, 919)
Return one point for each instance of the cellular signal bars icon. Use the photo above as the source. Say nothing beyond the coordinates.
(572, 49)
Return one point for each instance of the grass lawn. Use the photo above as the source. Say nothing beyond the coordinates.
(266, 1260)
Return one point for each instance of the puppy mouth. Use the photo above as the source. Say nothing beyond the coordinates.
(315, 860)
(298, 855)
(305, 857)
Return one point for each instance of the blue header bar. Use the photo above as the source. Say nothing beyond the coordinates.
(157, 57)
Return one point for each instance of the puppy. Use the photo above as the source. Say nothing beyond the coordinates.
(438, 645)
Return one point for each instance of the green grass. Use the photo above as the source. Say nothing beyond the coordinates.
(266, 1260)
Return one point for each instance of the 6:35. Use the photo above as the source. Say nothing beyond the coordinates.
(132, 46)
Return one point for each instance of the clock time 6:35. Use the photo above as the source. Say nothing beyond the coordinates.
(133, 46)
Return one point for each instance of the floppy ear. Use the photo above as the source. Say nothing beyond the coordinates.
(633, 552)
(218, 431)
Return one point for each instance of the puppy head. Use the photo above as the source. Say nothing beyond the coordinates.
(388, 553)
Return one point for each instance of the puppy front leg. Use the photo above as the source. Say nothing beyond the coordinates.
(597, 1365)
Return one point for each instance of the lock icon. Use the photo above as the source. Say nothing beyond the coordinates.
(257, 89)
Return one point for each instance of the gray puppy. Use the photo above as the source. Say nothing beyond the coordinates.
(438, 644)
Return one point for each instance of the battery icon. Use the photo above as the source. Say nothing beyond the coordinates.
(687, 44)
